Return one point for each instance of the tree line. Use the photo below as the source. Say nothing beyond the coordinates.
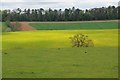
(70, 14)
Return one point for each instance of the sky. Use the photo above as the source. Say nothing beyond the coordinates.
(56, 4)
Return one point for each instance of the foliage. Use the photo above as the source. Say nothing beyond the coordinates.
(80, 40)
(13, 27)
(71, 14)
(8, 27)
(8, 24)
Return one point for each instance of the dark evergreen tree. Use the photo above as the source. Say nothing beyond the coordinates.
(71, 14)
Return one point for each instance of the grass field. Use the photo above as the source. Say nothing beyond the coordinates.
(75, 26)
(33, 62)
(3, 26)
(0, 57)
(48, 54)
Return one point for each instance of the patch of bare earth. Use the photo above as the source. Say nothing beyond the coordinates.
(24, 26)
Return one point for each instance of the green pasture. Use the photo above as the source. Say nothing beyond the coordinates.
(3, 26)
(75, 26)
(48, 54)
(0, 50)
(36, 62)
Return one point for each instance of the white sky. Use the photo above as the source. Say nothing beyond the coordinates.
(57, 4)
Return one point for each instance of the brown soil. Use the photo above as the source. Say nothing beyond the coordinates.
(24, 26)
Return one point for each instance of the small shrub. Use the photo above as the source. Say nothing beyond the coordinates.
(14, 26)
(7, 30)
(80, 40)
(85, 51)
(8, 24)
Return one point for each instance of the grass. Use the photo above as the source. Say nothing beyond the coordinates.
(3, 26)
(34, 62)
(75, 26)
(0, 50)
(48, 54)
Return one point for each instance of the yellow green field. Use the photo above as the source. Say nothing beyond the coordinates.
(49, 54)
(53, 39)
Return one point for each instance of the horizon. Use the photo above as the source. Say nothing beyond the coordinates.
(56, 4)
(59, 8)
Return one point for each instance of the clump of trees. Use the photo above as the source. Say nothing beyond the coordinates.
(8, 24)
(12, 27)
(80, 40)
(68, 14)
(8, 27)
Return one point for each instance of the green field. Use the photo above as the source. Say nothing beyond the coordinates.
(75, 26)
(33, 62)
(3, 26)
(48, 54)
